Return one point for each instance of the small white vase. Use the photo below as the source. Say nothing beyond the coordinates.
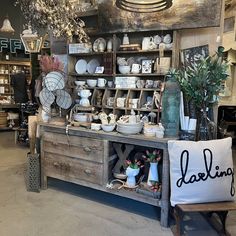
(131, 173)
(153, 173)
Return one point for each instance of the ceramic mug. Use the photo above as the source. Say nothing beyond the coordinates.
(136, 68)
(110, 101)
(101, 82)
(140, 83)
(133, 103)
(120, 102)
(149, 83)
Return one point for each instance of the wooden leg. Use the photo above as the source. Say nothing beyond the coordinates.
(16, 136)
(44, 182)
(178, 218)
(223, 215)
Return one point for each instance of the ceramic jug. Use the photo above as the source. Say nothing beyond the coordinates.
(101, 82)
(146, 42)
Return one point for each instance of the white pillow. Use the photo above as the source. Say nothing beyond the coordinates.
(201, 171)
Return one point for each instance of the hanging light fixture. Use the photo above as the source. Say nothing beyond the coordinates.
(31, 41)
(6, 26)
(144, 6)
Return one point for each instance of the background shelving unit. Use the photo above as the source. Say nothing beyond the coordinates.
(111, 71)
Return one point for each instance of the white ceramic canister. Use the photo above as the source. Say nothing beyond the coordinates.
(125, 40)
(109, 45)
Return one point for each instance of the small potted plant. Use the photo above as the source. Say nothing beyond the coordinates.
(153, 157)
(132, 171)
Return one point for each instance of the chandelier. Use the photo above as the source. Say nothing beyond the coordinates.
(144, 6)
(6, 26)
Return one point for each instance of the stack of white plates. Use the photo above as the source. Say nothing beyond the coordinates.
(129, 128)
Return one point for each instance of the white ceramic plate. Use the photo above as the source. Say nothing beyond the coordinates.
(81, 66)
(96, 42)
(92, 65)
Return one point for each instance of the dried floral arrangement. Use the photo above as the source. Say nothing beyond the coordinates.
(49, 63)
(58, 16)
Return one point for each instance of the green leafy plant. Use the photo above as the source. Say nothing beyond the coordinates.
(201, 82)
(154, 156)
(133, 164)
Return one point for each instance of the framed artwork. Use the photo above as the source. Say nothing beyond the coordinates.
(193, 55)
(99, 70)
(146, 66)
(229, 24)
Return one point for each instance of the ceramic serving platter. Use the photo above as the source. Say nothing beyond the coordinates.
(97, 42)
(92, 65)
(81, 66)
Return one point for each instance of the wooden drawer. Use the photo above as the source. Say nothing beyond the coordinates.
(72, 169)
(74, 146)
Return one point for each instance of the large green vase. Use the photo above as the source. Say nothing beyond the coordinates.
(170, 108)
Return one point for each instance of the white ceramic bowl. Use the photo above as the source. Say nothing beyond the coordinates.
(127, 128)
(124, 69)
(80, 82)
(108, 127)
(92, 82)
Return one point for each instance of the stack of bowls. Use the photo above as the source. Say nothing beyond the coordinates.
(129, 128)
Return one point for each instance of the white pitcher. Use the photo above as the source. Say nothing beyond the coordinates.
(101, 82)
(146, 42)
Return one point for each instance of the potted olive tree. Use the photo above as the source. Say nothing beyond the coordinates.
(201, 83)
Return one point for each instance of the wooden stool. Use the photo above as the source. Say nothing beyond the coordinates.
(220, 208)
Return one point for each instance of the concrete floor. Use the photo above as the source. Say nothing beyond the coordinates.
(69, 210)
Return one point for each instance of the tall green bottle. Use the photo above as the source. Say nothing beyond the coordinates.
(170, 107)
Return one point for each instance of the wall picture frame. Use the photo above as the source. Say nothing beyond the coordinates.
(194, 54)
(146, 66)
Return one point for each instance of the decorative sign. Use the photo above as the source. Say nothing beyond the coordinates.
(11, 44)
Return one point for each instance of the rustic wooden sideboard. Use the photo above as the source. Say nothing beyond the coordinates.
(85, 157)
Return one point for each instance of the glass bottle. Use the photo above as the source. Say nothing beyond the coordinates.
(207, 129)
(170, 107)
(203, 129)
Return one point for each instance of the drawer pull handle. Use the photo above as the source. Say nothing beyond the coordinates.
(56, 164)
(87, 149)
(88, 172)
